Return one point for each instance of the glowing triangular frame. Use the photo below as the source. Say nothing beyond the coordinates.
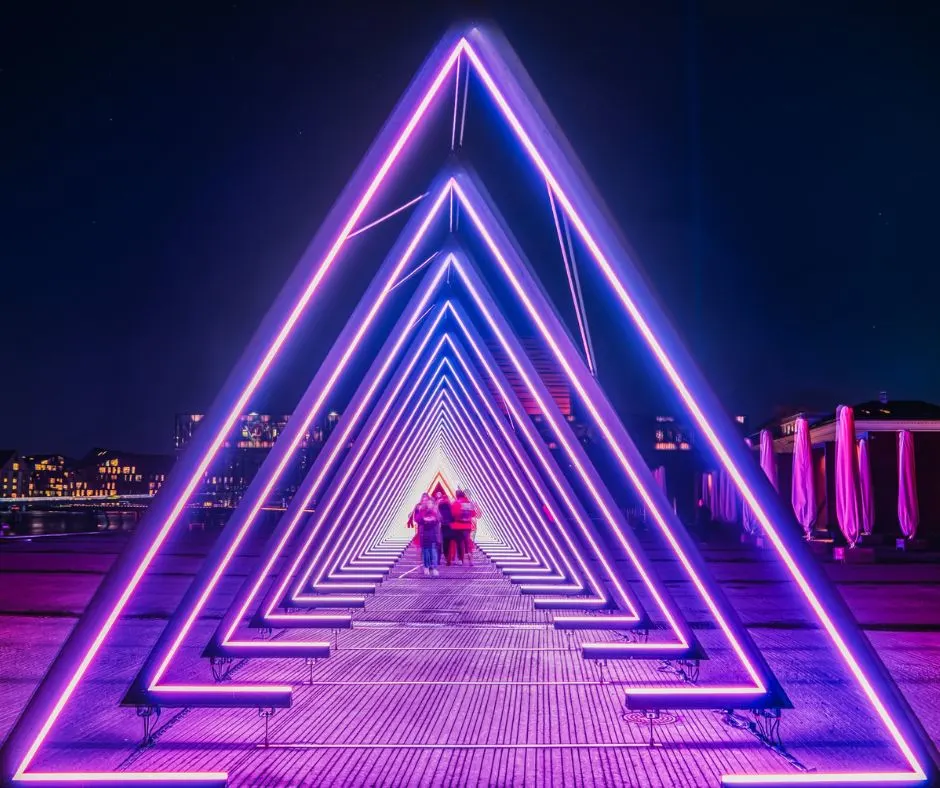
(352, 465)
(482, 48)
(337, 491)
(508, 490)
(355, 497)
(353, 483)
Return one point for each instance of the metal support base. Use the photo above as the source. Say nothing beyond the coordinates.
(265, 633)
(689, 670)
(221, 668)
(652, 715)
(636, 635)
(149, 715)
(764, 725)
(310, 663)
(266, 713)
(767, 726)
(686, 670)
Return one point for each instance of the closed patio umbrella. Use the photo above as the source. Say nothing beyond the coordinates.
(908, 509)
(748, 520)
(768, 460)
(865, 485)
(847, 494)
(708, 492)
(803, 488)
(660, 476)
(727, 498)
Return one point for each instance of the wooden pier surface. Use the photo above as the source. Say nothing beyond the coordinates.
(458, 680)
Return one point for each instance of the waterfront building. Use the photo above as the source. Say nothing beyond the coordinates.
(12, 475)
(108, 472)
(243, 452)
(49, 475)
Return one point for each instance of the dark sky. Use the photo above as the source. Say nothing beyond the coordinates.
(163, 166)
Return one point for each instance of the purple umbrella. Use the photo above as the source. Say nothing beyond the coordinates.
(660, 476)
(908, 510)
(748, 520)
(708, 492)
(803, 490)
(767, 459)
(865, 485)
(847, 495)
(727, 498)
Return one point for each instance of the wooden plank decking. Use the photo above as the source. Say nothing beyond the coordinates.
(455, 680)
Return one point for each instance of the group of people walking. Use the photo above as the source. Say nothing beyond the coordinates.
(445, 529)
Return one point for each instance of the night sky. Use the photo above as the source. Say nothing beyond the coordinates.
(163, 166)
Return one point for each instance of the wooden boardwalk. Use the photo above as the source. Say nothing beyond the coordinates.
(455, 680)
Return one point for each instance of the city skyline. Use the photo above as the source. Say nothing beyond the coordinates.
(131, 202)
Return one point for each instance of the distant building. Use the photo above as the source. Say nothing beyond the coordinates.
(49, 475)
(244, 451)
(13, 477)
(107, 472)
(671, 435)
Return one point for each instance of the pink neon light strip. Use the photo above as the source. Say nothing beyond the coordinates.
(242, 401)
(342, 517)
(593, 582)
(361, 475)
(686, 395)
(380, 473)
(471, 433)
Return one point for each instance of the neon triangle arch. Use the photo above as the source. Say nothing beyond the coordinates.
(508, 86)
(439, 483)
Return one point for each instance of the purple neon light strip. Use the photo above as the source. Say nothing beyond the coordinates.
(339, 519)
(464, 421)
(361, 474)
(352, 541)
(511, 488)
(666, 364)
(361, 537)
(349, 425)
(242, 401)
(521, 513)
(593, 582)
(508, 463)
(509, 400)
(634, 477)
(342, 517)
(520, 507)
(557, 429)
(362, 478)
(288, 456)
(274, 598)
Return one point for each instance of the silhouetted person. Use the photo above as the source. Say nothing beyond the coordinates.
(464, 512)
(427, 516)
(449, 546)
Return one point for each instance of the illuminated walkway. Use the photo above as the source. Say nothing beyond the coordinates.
(448, 681)
(454, 680)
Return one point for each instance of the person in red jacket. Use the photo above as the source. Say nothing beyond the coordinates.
(464, 512)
